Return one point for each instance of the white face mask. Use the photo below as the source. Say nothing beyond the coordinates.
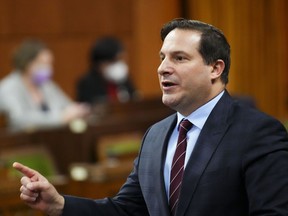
(116, 72)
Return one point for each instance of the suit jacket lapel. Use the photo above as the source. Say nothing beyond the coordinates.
(160, 139)
(165, 136)
(208, 140)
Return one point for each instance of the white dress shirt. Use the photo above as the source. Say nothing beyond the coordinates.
(198, 119)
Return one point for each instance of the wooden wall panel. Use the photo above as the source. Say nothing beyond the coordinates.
(7, 47)
(149, 16)
(70, 61)
(3, 17)
(32, 17)
(90, 16)
(279, 11)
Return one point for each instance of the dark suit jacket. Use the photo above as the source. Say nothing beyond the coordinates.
(239, 167)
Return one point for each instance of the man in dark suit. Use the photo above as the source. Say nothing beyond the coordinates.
(235, 160)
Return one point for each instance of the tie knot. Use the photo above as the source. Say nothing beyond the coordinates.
(185, 125)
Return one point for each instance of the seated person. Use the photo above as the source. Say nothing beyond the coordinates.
(28, 96)
(107, 78)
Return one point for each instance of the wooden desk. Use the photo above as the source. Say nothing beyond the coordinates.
(95, 190)
(103, 181)
(67, 147)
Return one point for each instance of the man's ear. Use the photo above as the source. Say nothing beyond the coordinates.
(218, 68)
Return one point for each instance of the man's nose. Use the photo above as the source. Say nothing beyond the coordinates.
(165, 67)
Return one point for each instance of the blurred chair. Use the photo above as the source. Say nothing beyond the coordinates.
(36, 157)
(115, 154)
(119, 147)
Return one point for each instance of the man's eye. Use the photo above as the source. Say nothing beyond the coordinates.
(179, 58)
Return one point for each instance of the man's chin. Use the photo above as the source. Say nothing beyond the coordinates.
(169, 101)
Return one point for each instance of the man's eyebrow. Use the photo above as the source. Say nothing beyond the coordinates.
(174, 52)
(179, 52)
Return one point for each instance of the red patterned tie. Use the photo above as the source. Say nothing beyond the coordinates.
(177, 168)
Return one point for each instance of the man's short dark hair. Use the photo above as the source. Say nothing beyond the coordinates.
(213, 44)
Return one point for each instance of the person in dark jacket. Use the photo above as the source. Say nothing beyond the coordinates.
(107, 79)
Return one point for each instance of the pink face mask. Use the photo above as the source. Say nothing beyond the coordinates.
(41, 75)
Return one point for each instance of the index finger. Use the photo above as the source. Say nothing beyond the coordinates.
(25, 170)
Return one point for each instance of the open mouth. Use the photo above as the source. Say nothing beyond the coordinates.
(167, 84)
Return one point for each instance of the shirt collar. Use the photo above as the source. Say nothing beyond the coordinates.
(199, 116)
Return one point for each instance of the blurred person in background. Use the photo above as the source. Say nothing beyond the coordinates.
(28, 96)
(107, 79)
